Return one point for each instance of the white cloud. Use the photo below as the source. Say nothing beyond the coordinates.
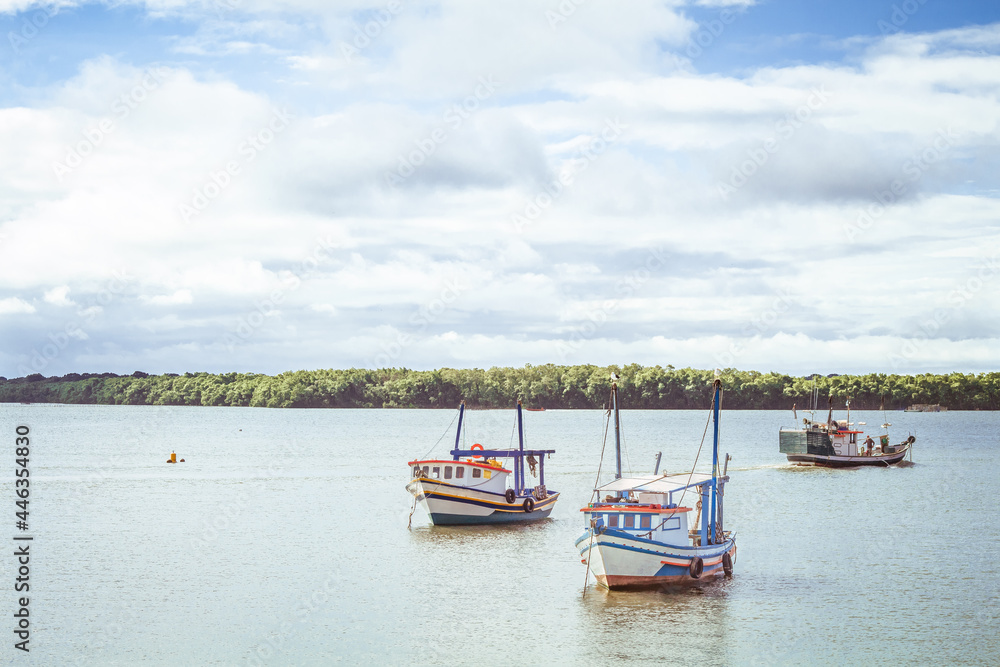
(12, 305)
(182, 296)
(57, 296)
(866, 274)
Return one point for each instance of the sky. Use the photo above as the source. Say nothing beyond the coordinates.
(274, 185)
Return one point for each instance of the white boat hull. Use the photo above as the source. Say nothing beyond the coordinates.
(449, 504)
(621, 562)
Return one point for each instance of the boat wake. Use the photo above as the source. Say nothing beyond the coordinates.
(767, 466)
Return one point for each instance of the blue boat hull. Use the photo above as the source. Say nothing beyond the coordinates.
(495, 518)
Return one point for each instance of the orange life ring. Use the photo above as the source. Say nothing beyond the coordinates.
(477, 447)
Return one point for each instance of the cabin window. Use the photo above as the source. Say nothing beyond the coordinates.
(477, 473)
(447, 472)
(673, 523)
(612, 520)
(436, 472)
(426, 468)
(460, 472)
(630, 521)
(645, 521)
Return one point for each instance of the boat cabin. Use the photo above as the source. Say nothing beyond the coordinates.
(835, 439)
(667, 525)
(648, 506)
(487, 476)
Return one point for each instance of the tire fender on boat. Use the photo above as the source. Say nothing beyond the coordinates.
(727, 564)
(696, 567)
(529, 504)
(510, 495)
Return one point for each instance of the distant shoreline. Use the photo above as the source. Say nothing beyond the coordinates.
(452, 407)
(549, 386)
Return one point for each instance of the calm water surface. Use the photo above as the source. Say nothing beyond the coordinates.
(283, 540)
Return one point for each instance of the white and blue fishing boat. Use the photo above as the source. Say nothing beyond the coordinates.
(474, 487)
(638, 532)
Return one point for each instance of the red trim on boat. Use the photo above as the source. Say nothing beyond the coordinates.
(644, 509)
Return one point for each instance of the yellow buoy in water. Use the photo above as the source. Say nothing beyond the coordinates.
(173, 457)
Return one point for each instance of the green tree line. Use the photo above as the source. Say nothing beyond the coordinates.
(548, 386)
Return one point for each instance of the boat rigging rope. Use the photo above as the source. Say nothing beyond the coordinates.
(628, 461)
(697, 456)
(590, 547)
(604, 444)
(513, 430)
(439, 439)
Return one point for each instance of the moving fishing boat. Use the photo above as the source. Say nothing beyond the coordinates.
(836, 444)
(638, 534)
(474, 487)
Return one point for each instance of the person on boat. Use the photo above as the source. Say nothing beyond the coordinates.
(869, 443)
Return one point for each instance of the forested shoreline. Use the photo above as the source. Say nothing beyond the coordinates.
(549, 386)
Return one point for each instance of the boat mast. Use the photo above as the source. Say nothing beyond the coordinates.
(715, 459)
(519, 460)
(618, 441)
(458, 433)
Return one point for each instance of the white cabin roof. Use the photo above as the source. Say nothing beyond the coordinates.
(656, 483)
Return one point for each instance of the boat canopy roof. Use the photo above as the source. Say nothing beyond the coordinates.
(658, 483)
